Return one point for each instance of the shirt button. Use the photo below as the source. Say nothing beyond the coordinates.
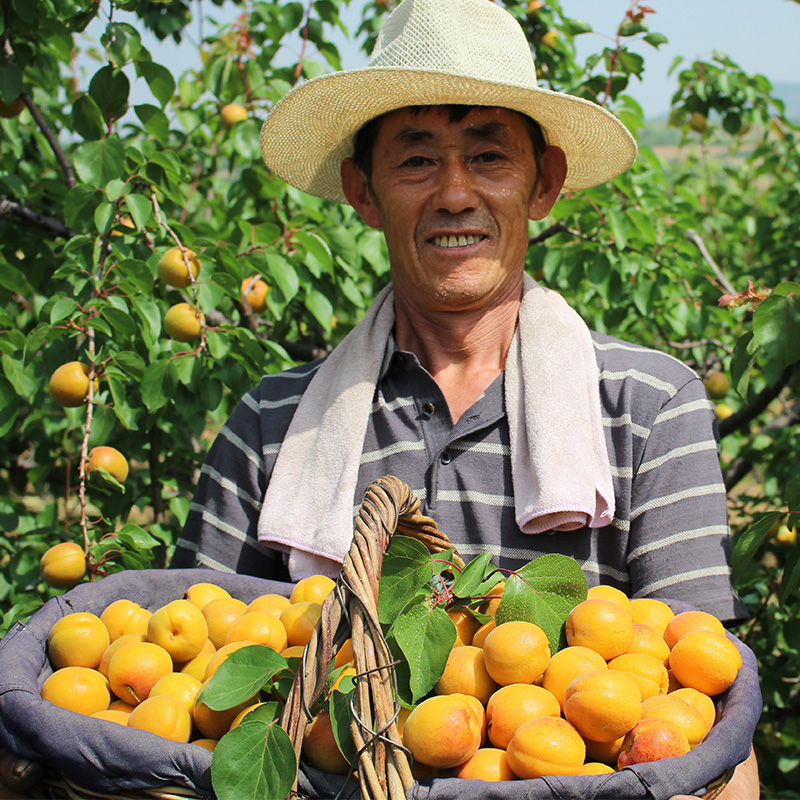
(446, 457)
(428, 409)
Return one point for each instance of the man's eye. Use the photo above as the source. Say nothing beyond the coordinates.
(489, 157)
(415, 161)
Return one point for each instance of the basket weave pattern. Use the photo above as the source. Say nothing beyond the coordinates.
(351, 609)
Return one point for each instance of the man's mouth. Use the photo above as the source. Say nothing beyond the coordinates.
(460, 240)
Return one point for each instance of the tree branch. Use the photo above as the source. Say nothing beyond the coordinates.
(52, 226)
(553, 230)
(695, 238)
(747, 414)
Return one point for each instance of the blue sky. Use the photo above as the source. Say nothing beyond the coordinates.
(760, 35)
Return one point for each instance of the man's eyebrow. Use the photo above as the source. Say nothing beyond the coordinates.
(493, 129)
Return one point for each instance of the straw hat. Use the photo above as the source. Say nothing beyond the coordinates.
(437, 52)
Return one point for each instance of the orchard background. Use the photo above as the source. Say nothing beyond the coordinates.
(695, 255)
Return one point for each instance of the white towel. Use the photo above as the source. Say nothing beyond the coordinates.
(560, 469)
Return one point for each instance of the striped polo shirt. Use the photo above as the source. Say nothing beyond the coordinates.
(669, 537)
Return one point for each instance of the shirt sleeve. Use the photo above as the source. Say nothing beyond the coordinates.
(680, 545)
(220, 529)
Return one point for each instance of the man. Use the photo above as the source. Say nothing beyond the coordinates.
(522, 432)
(435, 143)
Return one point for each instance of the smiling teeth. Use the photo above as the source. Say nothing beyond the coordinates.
(456, 241)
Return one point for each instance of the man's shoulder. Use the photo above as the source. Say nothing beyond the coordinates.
(285, 387)
(616, 357)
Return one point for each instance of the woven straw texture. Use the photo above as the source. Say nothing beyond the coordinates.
(437, 52)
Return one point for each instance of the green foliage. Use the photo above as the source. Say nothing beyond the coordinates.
(692, 251)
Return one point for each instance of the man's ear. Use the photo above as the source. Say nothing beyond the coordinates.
(552, 174)
(358, 194)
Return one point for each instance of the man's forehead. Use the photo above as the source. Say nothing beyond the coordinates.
(424, 122)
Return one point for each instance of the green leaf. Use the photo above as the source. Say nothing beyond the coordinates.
(157, 385)
(110, 88)
(425, 636)
(471, 581)
(241, 676)
(776, 325)
(97, 163)
(340, 723)
(791, 494)
(655, 39)
(543, 592)
(87, 118)
(744, 354)
(254, 760)
(140, 209)
(619, 227)
(159, 79)
(747, 543)
(154, 120)
(791, 576)
(10, 82)
(122, 42)
(406, 570)
(61, 309)
(318, 256)
(22, 377)
(320, 307)
(284, 275)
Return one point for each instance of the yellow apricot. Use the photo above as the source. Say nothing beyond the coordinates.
(69, 384)
(78, 689)
(604, 704)
(220, 614)
(197, 666)
(442, 731)
(512, 706)
(136, 668)
(63, 565)
(679, 712)
(180, 628)
(77, 640)
(111, 460)
(215, 724)
(112, 715)
(646, 639)
(299, 621)
(258, 627)
(204, 592)
(128, 638)
(601, 626)
(313, 589)
(687, 621)
(237, 720)
(516, 652)
(702, 703)
(565, 665)
(254, 293)
(465, 673)
(123, 617)
(596, 768)
(610, 593)
(546, 746)
(649, 611)
(180, 686)
(319, 746)
(164, 716)
(706, 661)
(651, 740)
(487, 764)
(607, 752)
(207, 744)
(345, 654)
(270, 604)
(174, 266)
(466, 625)
(494, 596)
(480, 635)
(648, 672)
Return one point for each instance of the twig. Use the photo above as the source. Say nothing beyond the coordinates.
(50, 225)
(547, 233)
(694, 237)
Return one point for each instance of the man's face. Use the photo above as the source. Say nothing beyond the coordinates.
(454, 200)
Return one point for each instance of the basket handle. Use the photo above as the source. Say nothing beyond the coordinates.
(351, 610)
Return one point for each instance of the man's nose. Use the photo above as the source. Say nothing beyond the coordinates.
(455, 191)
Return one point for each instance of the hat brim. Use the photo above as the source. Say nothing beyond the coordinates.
(310, 131)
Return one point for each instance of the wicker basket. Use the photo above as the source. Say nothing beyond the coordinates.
(351, 611)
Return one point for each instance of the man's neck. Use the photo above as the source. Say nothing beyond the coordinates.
(464, 351)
